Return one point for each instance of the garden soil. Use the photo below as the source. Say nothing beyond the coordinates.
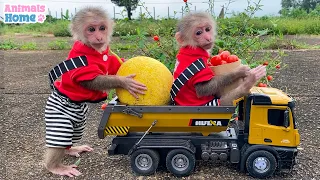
(24, 89)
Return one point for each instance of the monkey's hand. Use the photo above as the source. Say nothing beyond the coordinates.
(242, 71)
(132, 86)
(259, 72)
(217, 84)
(252, 77)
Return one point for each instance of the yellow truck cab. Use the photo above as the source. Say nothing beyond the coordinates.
(263, 139)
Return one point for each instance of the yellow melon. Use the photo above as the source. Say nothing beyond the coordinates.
(151, 72)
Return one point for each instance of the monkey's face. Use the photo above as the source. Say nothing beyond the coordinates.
(96, 34)
(203, 36)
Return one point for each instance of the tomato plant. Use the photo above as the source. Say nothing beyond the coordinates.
(236, 40)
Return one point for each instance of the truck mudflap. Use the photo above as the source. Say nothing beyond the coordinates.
(285, 156)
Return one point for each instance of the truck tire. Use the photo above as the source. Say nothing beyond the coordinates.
(261, 164)
(144, 162)
(180, 162)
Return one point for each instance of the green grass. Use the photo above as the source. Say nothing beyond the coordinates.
(126, 46)
(288, 26)
(275, 25)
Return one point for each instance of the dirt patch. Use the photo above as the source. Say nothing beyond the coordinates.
(22, 124)
(1, 69)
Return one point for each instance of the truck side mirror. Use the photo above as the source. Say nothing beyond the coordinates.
(286, 119)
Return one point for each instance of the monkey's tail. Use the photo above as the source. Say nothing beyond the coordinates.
(119, 59)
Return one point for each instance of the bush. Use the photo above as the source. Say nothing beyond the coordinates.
(29, 46)
(8, 44)
(59, 45)
(61, 29)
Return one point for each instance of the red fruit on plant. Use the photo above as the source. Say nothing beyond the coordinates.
(266, 63)
(278, 66)
(156, 38)
(215, 60)
(103, 106)
(261, 84)
(185, 1)
(224, 55)
(269, 78)
(232, 58)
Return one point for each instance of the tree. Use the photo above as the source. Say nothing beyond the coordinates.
(130, 5)
(307, 5)
(287, 4)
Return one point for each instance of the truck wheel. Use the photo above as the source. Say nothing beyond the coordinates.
(144, 162)
(261, 164)
(180, 162)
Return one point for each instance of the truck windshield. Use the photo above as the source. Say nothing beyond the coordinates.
(292, 108)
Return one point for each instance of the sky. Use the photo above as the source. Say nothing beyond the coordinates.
(270, 7)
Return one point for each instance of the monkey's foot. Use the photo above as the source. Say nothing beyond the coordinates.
(63, 170)
(75, 151)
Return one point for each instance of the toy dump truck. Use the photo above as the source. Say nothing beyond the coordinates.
(263, 139)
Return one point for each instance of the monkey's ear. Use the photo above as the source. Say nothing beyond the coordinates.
(178, 37)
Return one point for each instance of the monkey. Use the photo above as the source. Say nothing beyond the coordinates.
(195, 35)
(66, 108)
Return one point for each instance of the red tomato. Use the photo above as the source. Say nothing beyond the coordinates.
(232, 58)
(215, 60)
(224, 62)
(269, 78)
(103, 106)
(185, 1)
(224, 55)
(278, 66)
(262, 85)
(156, 38)
(266, 63)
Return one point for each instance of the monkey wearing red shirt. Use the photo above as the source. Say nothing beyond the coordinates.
(196, 36)
(66, 108)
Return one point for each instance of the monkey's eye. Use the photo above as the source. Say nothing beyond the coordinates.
(198, 33)
(208, 29)
(91, 29)
(102, 28)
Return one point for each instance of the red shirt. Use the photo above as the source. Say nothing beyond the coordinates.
(98, 64)
(187, 95)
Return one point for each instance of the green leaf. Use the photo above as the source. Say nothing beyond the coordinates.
(244, 62)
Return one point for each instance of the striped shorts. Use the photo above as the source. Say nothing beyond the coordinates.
(65, 121)
(214, 102)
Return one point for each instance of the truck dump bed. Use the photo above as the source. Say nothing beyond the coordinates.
(119, 119)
